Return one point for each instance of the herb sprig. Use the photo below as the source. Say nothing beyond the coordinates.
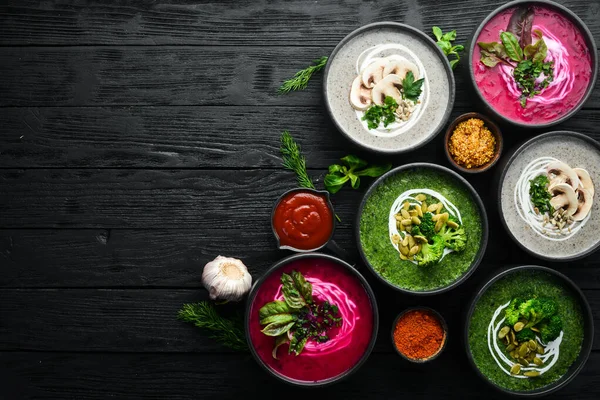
(411, 89)
(294, 160)
(351, 169)
(301, 78)
(229, 332)
(297, 318)
(538, 193)
(444, 41)
(384, 113)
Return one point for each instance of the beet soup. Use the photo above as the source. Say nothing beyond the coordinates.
(347, 342)
(567, 52)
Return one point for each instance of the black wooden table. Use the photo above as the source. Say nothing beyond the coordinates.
(140, 140)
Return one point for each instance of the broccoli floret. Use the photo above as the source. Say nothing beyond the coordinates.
(512, 313)
(551, 330)
(524, 335)
(531, 310)
(427, 226)
(416, 231)
(548, 307)
(454, 219)
(455, 239)
(430, 253)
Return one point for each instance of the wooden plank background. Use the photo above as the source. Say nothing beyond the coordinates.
(138, 140)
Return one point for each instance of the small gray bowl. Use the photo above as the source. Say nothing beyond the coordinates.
(577, 22)
(437, 100)
(576, 150)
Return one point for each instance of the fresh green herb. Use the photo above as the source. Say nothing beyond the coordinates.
(298, 317)
(529, 57)
(539, 194)
(384, 113)
(294, 160)
(351, 169)
(301, 78)
(229, 332)
(444, 41)
(411, 89)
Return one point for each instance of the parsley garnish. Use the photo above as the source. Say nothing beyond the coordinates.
(526, 74)
(376, 114)
(411, 89)
(538, 193)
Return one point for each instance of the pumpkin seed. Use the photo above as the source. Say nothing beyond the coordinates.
(411, 242)
(398, 217)
(406, 221)
(420, 197)
(531, 374)
(503, 332)
(413, 250)
(523, 350)
(540, 349)
(533, 328)
(416, 220)
(523, 362)
(424, 207)
(432, 208)
(513, 353)
(510, 347)
(406, 205)
(405, 241)
(515, 370)
(403, 257)
(444, 216)
(439, 208)
(419, 211)
(405, 214)
(438, 225)
(404, 250)
(395, 238)
(408, 228)
(538, 361)
(532, 345)
(518, 326)
(452, 224)
(513, 338)
(413, 212)
(420, 238)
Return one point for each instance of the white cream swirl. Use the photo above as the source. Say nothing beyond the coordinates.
(326, 291)
(563, 80)
(551, 354)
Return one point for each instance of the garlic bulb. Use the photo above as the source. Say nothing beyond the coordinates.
(226, 278)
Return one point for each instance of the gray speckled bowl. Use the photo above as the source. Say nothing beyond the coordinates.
(576, 150)
(437, 100)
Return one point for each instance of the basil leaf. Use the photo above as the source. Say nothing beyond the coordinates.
(354, 162)
(333, 183)
(375, 170)
(511, 45)
(437, 32)
(296, 346)
(276, 329)
(304, 287)
(278, 318)
(279, 340)
(276, 307)
(292, 296)
(354, 180)
(520, 24)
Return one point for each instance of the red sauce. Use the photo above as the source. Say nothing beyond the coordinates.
(318, 361)
(494, 88)
(303, 220)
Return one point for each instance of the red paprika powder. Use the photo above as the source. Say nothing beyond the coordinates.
(419, 334)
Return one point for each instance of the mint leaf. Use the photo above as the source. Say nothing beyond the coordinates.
(292, 295)
(276, 307)
(276, 328)
(303, 286)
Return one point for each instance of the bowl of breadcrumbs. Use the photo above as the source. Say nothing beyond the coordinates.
(473, 143)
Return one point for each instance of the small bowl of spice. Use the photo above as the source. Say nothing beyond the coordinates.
(473, 143)
(419, 334)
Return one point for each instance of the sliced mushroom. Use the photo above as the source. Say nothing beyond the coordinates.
(374, 72)
(585, 200)
(360, 96)
(401, 68)
(563, 196)
(388, 86)
(585, 182)
(559, 172)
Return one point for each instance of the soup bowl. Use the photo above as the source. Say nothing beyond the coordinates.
(348, 343)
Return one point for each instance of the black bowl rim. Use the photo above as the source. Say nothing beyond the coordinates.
(432, 44)
(370, 294)
(497, 133)
(501, 183)
(588, 317)
(591, 47)
(310, 190)
(444, 327)
(484, 228)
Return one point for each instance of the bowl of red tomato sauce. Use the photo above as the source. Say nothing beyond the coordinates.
(303, 220)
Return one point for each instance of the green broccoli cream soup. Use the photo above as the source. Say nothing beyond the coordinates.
(420, 229)
(525, 294)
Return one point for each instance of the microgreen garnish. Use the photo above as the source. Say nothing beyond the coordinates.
(384, 113)
(301, 78)
(444, 41)
(298, 318)
(352, 169)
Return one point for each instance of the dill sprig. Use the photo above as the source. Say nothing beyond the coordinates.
(294, 160)
(228, 332)
(301, 78)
